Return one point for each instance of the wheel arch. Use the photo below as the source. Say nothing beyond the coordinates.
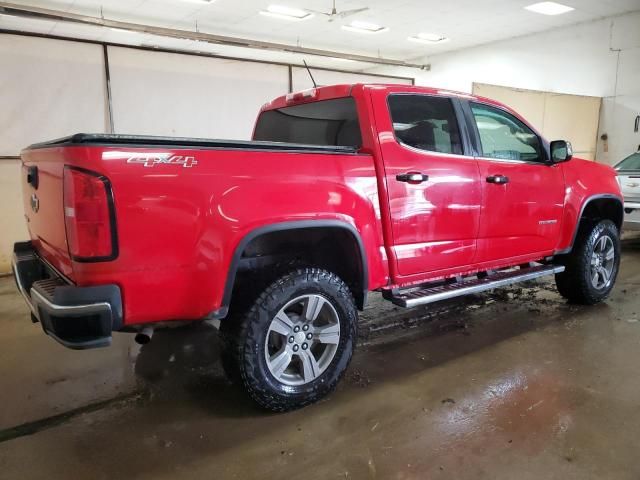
(602, 206)
(358, 281)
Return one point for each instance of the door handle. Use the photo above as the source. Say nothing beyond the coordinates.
(498, 179)
(412, 177)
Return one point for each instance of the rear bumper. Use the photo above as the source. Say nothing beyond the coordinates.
(77, 317)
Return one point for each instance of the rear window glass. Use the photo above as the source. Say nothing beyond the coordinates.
(425, 122)
(328, 122)
(632, 162)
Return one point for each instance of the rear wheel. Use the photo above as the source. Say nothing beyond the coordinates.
(592, 267)
(292, 345)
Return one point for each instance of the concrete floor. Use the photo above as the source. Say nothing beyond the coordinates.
(512, 384)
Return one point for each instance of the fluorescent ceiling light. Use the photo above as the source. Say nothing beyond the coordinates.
(121, 30)
(549, 8)
(199, 1)
(287, 13)
(428, 38)
(364, 27)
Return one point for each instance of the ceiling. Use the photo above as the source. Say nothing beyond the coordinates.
(466, 22)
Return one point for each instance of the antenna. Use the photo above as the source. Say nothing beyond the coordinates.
(315, 85)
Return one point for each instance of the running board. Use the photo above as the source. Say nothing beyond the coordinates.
(424, 295)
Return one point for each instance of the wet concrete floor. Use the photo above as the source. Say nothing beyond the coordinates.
(512, 384)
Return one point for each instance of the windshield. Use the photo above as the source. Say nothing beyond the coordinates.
(632, 162)
(328, 123)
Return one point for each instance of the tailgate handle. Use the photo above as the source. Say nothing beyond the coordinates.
(32, 177)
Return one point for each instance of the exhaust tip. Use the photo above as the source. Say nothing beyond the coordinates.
(144, 336)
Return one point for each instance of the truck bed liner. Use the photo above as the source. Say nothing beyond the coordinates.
(150, 141)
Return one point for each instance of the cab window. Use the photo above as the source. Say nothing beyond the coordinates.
(425, 122)
(503, 136)
(328, 123)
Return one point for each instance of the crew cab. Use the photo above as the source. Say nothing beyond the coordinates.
(421, 194)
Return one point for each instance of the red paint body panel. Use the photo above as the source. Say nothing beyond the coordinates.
(178, 227)
(583, 180)
(434, 225)
(523, 216)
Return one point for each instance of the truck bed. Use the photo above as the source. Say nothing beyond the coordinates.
(177, 226)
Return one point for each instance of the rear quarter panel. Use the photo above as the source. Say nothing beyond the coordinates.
(178, 227)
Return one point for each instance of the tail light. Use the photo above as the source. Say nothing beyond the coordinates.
(89, 216)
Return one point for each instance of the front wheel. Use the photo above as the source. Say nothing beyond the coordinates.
(295, 341)
(592, 267)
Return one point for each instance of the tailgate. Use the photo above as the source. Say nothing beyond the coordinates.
(42, 190)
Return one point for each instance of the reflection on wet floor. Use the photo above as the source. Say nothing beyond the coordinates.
(512, 384)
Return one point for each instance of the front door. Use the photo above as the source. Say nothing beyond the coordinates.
(523, 193)
(433, 188)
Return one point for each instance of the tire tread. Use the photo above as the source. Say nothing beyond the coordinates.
(241, 340)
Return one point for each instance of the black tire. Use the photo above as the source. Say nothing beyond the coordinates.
(245, 339)
(575, 283)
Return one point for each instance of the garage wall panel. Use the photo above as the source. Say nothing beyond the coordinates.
(302, 81)
(14, 228)
(557, 116)
(528, 103)
(157, 93)
(49, 89)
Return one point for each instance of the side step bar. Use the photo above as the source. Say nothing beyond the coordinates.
(424, 295)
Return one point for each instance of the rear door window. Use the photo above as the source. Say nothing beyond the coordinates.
(426, 123)
(327, 122)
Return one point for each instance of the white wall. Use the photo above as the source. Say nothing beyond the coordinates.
(48, 89)
(157, 93)
(600, 58)
(573, 60)
(301, 80)
(14, 227)
(53, 88)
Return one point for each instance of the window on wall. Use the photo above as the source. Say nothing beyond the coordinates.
(503, 136)
(425, 122)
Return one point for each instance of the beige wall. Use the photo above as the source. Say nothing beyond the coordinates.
(557, 116)
(12, 221)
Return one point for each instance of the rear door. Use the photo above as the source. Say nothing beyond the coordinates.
(522, 193)
(433, 188)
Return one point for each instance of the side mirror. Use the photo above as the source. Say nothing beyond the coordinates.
(561, 151)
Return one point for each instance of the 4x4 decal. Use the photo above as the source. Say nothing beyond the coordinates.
(153, 159)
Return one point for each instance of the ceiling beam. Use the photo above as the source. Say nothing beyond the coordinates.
(60, 16)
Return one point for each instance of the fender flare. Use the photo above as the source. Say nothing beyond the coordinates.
(222, 312)
(590, 199)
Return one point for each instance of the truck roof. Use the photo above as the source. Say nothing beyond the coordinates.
(326, 92)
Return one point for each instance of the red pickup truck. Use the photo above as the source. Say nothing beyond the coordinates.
(419, 193)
